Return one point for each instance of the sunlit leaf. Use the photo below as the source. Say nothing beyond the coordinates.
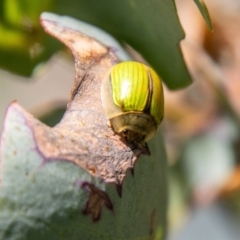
(150, 27)
(25, 13)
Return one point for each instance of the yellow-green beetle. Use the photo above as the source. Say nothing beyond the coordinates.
(132, 96)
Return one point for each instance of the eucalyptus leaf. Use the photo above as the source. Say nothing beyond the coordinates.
(46, 200)
(204, 11)
(79, 179)
(150, 27)
(24, 44)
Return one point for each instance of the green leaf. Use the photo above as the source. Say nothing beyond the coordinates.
(91, 31)
(150, 27)
(204, 11)
(25, 13)
(21, 51)
(24, 44)
(44, 199)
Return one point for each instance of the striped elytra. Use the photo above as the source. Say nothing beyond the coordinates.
(132, 96)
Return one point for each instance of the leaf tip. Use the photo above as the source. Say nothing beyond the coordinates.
(204, 11)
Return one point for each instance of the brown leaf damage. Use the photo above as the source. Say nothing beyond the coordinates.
(97, 198)
(83, 136)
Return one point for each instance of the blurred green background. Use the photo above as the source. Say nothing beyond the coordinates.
(201, 124)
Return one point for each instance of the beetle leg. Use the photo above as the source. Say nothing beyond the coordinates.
(144, 148)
